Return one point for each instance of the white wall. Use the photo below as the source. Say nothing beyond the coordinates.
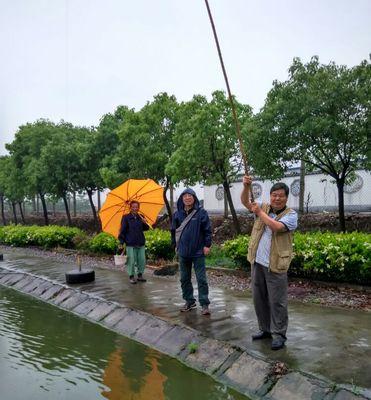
(322, 190)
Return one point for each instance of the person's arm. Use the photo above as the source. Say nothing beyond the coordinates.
(206, 227)
(275, 226)
(245, 194)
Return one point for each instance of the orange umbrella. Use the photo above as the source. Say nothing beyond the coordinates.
(145, 191)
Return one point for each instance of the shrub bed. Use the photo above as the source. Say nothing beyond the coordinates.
(338, 257)
(158, 244)
(43, 236)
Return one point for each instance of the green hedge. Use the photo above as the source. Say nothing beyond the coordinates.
(338, 257)
(341, 257)
(43, 236)
(236, 249)
(103, 243)
(158, 244)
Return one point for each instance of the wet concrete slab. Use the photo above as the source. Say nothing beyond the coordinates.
(248, 373)
(295, 386)
(131, 323)
(73, 301)
(62, 296)
(86, 307)
(117, 315)
(176, 340)
(151, 331)
(210, 355)
(320, 340)
(53, 291)
(101, 310)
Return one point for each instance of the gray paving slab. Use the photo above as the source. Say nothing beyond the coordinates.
(174, 341)
(42, 288)
(63, 296)
(248, 373)
(151, 331)
(86, 307)
(115, 316)
(11, 278)
(52, 292)
(347, 395)
(101, 311)
(295, 386)
(132, 321)
(32, 285)
(210, 355)
(74, 301)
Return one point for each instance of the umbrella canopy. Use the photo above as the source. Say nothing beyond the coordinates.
(145, 191)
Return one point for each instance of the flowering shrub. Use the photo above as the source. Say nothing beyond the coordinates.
(158, 244)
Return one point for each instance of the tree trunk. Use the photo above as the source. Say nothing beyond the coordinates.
(21, 211)
(236, 223)
(33, 204)
(226, 211)
(340, 186)
(14, 213)
(74, 203)
(90, 195)
(302, 187)
(98, 199)
(65, 201)
(172, 197)
(2, 209)
(54, 211)
(45, 210)
(37, 205)
(167, 204)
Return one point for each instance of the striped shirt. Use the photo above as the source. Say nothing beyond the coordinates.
(290, 220)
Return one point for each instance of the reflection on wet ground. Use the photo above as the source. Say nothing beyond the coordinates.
(320, 340)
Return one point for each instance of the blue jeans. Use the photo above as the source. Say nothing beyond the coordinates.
(185, 265)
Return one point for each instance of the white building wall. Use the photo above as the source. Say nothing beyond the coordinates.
(320, 188)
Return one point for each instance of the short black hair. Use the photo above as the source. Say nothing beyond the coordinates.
(134, 202)
(279, 186)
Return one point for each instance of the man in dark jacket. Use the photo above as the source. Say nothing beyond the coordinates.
(131, 233)
(191, 235)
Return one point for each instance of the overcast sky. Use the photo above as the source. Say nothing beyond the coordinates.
(79, 59)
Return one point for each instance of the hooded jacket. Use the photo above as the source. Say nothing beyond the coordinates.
(197, 233)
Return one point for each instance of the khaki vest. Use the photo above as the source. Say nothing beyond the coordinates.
(281, 252)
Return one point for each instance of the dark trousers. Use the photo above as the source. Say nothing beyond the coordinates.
(185, 265)
(270, 300)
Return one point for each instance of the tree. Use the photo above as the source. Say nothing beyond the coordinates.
(25, 151)
(146, 143)
(320, 115)
(207, 147)
(11, 182)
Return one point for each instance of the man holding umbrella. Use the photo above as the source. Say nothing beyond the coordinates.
(131, 233)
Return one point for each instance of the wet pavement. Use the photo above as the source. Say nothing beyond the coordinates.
(333, 343)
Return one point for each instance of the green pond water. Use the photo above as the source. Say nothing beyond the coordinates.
(47, 353)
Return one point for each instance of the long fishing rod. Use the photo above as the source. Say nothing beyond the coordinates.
(236, 122)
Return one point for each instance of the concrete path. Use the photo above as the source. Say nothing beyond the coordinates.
(332, 343)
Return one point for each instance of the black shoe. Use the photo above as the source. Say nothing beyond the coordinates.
(141, 279)
(261, 335)
(188, 307)
(278, 343)
(132, 279)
